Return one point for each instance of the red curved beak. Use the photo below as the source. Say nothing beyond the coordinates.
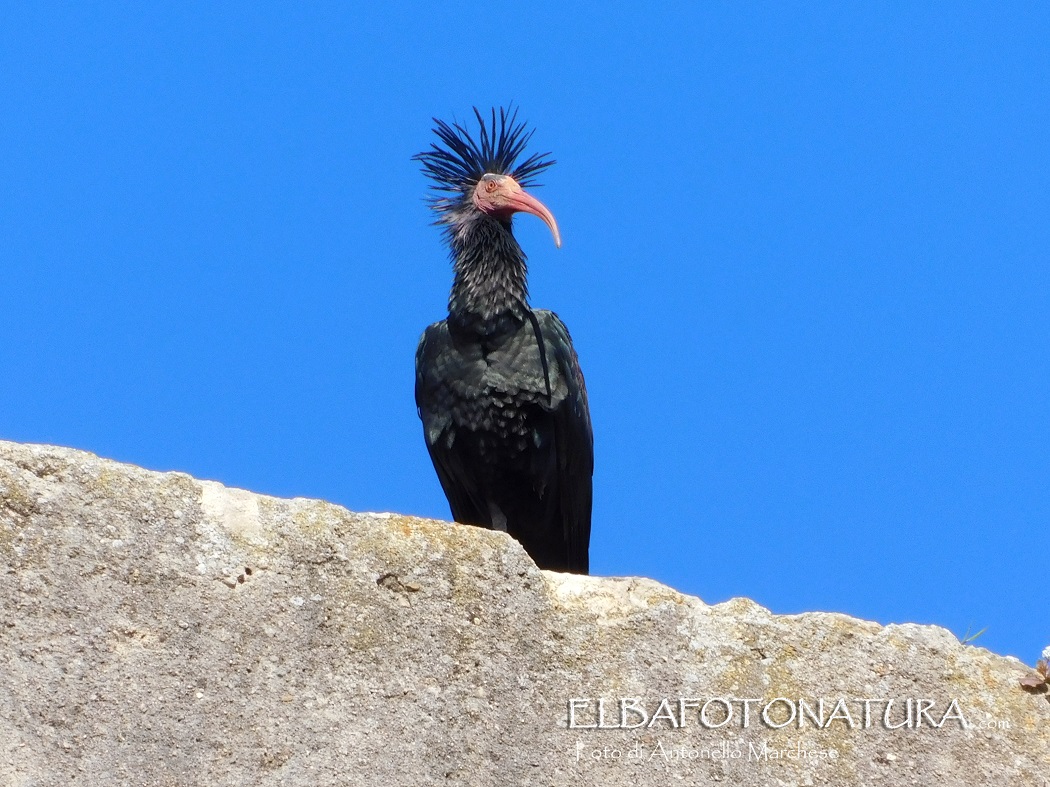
(520, 200)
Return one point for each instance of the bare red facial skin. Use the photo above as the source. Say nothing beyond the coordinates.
(501, 196)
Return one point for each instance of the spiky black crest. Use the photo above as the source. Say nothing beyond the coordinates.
(458, 162)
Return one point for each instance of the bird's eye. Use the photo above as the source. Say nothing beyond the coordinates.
(491, 185)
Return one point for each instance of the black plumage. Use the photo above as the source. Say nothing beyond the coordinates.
(498, 384)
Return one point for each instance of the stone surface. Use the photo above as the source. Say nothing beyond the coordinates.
(159, 630)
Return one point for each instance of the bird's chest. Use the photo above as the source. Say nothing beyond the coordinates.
(495, 386)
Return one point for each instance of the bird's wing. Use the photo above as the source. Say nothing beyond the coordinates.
(434, 357)
(574, 440)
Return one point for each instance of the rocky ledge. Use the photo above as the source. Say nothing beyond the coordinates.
(160, 630)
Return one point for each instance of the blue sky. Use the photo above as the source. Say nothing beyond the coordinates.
(804, 264)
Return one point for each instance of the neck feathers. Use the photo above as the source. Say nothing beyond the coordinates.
(490, 288)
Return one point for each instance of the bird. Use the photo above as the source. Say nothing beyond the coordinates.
(498, 384)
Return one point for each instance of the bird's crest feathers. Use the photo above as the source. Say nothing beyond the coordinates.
(457, 163)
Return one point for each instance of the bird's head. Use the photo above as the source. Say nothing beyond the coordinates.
(502, 196)
(483, 174)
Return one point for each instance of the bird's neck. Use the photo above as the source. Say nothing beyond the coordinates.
(489, 293)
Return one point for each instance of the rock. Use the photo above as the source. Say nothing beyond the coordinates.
(159, 630)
